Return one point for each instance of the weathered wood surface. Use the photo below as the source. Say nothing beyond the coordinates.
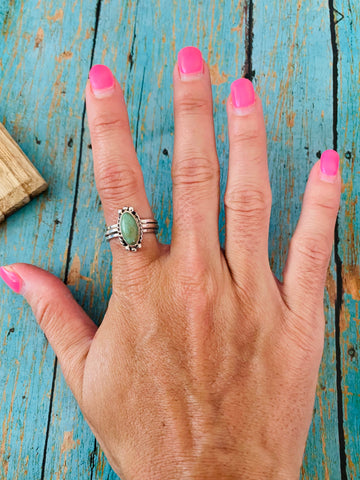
(348, 141)
(305, 68)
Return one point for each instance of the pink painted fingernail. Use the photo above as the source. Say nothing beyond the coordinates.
(242, 96)
(11, 279)
(329, 165)
(102, 81)
(190, 63)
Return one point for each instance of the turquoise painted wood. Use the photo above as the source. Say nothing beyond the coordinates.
(348, 34)
(43, 71)
(46, 54)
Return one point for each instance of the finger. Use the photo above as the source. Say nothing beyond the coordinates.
(248, 194)
(67, 327)
(118, 174)
(310, 248)
(195, 168)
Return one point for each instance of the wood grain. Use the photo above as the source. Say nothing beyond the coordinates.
(47, 52)
(347, 30)
(19, 179)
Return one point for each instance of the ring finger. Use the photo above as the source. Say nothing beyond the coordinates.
(248, 194)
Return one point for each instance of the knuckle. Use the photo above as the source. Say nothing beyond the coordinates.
(188, 103)
(195, 283)
(252, 204)
(303, 333)
(316, 249)
(115, 181)
(105, 126)
(328, 206)
(138, 281)
(195, 169)
(246, 134)
(46, 313)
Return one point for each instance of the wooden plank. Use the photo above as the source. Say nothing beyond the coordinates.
(45, 46)
(292, 60)
(19, 179)
(347, 19)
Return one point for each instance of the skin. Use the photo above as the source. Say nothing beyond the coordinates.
(205, 365)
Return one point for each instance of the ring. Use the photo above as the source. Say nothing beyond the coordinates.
(130, 228)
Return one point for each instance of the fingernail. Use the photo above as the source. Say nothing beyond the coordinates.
(329, 165)
(11, 279)
(102, 81)
(242, 96)
(190, 63)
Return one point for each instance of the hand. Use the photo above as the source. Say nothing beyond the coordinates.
(205, 365)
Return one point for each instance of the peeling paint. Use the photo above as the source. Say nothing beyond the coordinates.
(217, 78)
(58, 15)
(39, 37)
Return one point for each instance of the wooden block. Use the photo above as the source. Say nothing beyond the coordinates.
(19, 179)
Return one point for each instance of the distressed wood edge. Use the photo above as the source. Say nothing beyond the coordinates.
(37, 184)
(26, 191)
(22, 200)
(41, 188)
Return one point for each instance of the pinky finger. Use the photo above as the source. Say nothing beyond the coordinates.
(311, 245)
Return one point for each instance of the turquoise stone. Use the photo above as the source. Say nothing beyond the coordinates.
(129, 228)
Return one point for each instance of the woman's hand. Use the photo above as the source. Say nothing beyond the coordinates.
(205, 365)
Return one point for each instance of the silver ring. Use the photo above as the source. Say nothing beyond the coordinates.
(130, 228)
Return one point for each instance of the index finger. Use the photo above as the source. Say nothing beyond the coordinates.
(118, 174)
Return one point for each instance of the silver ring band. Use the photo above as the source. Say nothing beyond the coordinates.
(130, 229)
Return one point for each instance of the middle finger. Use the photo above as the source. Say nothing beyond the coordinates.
(195, 168)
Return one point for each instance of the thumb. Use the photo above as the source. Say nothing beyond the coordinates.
(65, 324)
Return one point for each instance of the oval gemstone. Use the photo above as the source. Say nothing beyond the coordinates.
(129, 228)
